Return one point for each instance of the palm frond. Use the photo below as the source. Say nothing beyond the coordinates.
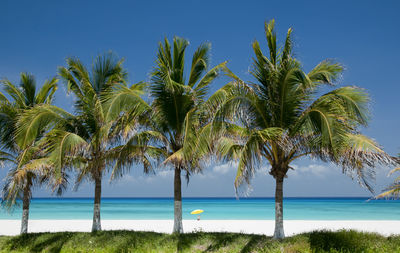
(271, 39)
(201, 88)
(14, 92)
(124, 99)
(326, 72)
(28, 87)
(63, 146)
(32, 122)
(46, 92)
(359, 154)
(199, 63)
(3, 98)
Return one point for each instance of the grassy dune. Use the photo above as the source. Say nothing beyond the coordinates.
(129, 241)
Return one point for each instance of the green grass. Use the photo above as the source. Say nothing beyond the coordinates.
(130, 241)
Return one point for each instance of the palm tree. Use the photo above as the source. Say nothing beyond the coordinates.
(85, 141)
(179, 124)
(283, 116)
(17, 151)
(394, 189)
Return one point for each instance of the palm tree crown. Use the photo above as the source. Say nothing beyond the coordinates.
(178, 106)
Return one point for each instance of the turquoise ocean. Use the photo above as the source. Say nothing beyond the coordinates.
(214, 209)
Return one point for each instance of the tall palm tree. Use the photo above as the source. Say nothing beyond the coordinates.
(283, 116)
(85, 141)
(179, 124)
(16, 150)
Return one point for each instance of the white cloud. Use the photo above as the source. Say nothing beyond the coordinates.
(125, 179)
(129, 178)
(313, 169)
(165, 173)
(264, 170)
(225, 168)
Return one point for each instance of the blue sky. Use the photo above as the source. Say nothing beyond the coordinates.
(37, 36)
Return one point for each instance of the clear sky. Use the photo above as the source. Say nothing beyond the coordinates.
(37, 36)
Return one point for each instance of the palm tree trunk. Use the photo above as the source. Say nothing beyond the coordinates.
(178, 228)
(25, 210)
(96, 209)
(279, 233)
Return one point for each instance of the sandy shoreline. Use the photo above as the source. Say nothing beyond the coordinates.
(384, 227)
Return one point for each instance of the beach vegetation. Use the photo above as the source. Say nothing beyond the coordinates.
(131, 241)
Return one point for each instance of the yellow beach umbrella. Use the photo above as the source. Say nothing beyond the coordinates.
(197, 211)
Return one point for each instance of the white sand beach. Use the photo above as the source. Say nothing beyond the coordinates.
(384, 227)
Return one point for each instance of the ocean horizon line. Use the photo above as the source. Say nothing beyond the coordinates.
(291, 197)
